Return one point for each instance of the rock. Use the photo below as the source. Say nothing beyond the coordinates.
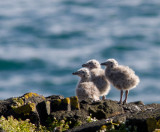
(103, 109)
(75, 117)
(54, 97)
(43, 110)
(89, 127)
(5, 106)
(134, 116)
(34, 118)
(66, 104)
(23, 107)
(60, 104)
(32, 97)
(74, 103)
(148, 120)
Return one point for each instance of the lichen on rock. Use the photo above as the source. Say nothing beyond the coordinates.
(30, 95)
(106, 114)
(17, 102)
(66, 101)
(74, 103)
(152, 124)
(25, 109)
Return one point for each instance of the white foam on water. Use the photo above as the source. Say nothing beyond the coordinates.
(12, 81)
(34, 78)
(130, 3)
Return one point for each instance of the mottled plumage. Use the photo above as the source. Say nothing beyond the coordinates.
(98, 77)
(85, 88)
(122, 77)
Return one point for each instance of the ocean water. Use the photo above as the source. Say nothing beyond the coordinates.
(43, 42)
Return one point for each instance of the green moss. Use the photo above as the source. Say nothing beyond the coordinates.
(91, 119)
(75, 103)
(62, 125)
(14, 125)
(78, 123)
(25, 109)
(115, 127)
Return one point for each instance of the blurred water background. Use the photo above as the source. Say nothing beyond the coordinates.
(42, 42)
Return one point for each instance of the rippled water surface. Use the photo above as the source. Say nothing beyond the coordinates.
(42, 43)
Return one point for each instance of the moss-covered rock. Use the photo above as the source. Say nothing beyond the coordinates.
(60, 105)
(17, 102)
(152, 124)
(38, 109)
(33, 97)
(74, 103)
(54, 97)
(25, 109)
(26, 103)
(43, 109)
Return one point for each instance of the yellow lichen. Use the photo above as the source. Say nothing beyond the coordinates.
(152, 124)
(57, 101)
(107, 127)
(48, 102)
(156, 130)
(74, 102)
(103, 127)
(28, 95)
(48, 107)
(25, 109)
(66, 100)
(158, 123)
(43, 98)
(17, 102)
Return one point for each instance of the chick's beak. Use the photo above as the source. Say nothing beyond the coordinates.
(84, 65)
(104, 63)
(74, 73)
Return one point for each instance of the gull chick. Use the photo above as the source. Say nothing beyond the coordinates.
(85, 88)
(98, 77)
(122, 77)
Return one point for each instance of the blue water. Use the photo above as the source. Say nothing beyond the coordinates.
(43, 42)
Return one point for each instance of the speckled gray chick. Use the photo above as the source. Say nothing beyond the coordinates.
(98, 77)
(85, 88)
(122, 77)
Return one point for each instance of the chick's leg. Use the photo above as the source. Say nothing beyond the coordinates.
(121, 95)
(126, 95)
(103, 97)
